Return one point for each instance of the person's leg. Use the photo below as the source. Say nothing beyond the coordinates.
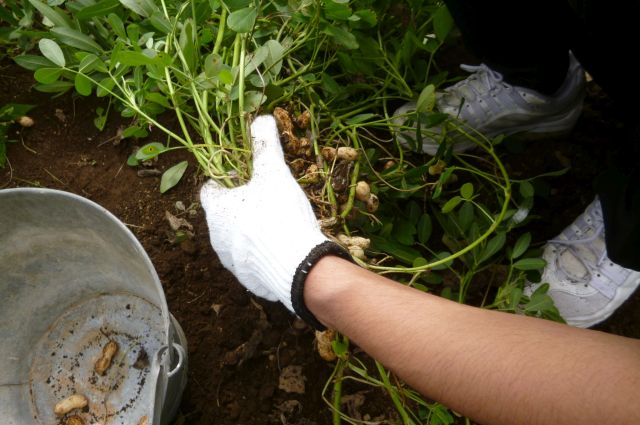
(592, 266)
(604, 42)
(527, 42)
(527, 81)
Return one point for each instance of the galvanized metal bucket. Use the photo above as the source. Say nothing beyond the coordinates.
(73, 279)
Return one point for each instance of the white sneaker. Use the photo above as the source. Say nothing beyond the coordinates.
(484, 102)
(585, 285)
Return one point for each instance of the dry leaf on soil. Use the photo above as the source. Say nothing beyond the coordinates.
(292, 379)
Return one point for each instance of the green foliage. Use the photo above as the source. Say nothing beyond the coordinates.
(9, 113)
(15, 33)
(172, 176)
(442, 222)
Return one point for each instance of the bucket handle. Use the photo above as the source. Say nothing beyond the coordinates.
(181, 356)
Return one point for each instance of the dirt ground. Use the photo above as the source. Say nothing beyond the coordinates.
(63, 150)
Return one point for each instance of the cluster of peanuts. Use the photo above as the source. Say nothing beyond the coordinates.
(306, 167)
(303, 164)
(78, 401)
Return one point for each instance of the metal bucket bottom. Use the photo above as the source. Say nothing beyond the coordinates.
(64, 360)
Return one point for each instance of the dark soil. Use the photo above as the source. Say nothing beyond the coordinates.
(63, 150)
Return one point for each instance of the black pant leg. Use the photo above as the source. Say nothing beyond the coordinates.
(605, 43)
(526, 41)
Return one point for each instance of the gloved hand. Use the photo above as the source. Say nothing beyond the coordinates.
(265, 232)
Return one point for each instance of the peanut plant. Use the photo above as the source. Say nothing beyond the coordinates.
(334, 71)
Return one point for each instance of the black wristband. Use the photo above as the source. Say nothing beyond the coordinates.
(300, 277)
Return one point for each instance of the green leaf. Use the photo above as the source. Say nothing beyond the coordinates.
(33, 62)
(83, 84)
(419, 262)
(341, 37)
(494, 245)
(514, 298)
(275, 54)
(47, 75)
(441, 256)
(451, 204)
(129, 57)
(160, 22)
(465, 216)
(187, 45)
(150, 150)
(55, 15)
(132, 161)
(242, 20)
(403, 231)
(442, 23)
(144, 8)
(541, 304)
(521, 246)
(530, 264)
(329, 84)
(406, 254)
(340, 346)
(526, 189)
(90, 63)
(55, 87)
(101, 119)
(157, 98)
(466, 191)
(413, 212)
(237, 4)
(337, 11)
(424, 228)
(225, 76)
(172, 176)
(212, 65)
(427, 99)
(252, 100)
(52, 51)
(444, 177)
(117, 25)
(11, 111)
(135, 131)
(76, 39)
(256, 59)
(367, 16)
(101, 8)
(360, 118)
(105, 86)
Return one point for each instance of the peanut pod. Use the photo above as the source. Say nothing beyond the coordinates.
(362, 191)
(76, 401)
(347, 153)
(74, 420)
(104, 362)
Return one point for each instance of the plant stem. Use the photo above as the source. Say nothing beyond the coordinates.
(336, 397)
(394, 395)
(354, 176)
(241, 85)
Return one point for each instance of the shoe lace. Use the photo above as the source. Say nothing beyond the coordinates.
(482, 79)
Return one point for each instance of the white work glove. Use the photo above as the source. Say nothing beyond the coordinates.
(265, 232)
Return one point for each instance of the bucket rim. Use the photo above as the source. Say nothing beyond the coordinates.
(136, 243)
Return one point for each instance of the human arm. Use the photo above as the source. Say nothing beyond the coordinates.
(494, 367)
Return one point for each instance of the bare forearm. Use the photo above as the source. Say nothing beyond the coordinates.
(494, 367)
